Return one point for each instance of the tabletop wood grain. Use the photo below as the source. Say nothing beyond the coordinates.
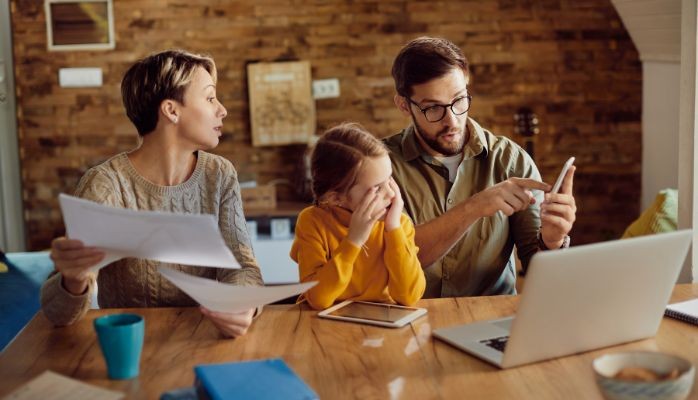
(339, 360)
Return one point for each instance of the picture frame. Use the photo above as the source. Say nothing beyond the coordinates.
(79, 25)
(282, 107)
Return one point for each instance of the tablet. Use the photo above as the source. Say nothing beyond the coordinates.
(381, 314)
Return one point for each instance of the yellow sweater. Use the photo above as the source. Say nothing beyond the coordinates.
(387, 270)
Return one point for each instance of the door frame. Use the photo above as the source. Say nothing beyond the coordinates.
(688, 136)
(11, 210)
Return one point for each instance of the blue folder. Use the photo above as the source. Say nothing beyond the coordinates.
(260, 379)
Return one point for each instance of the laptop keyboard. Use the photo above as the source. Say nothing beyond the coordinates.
(496, 343)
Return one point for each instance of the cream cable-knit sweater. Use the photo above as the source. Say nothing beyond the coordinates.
(212, 189)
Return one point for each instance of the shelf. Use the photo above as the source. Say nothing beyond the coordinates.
(282, 209)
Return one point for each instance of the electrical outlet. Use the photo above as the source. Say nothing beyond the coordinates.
(80, 77)
(325, 88)
(3, 84)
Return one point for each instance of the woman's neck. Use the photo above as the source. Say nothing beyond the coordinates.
(163, 161)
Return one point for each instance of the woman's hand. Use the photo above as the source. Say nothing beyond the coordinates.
(364, 217)
(231, 325)
(392, 219)
(74, 260)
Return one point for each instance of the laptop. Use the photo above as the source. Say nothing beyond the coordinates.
(579, 299)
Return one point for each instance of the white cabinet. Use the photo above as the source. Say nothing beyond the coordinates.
(274, 260)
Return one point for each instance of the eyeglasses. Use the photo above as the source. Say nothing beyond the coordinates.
(437, 112)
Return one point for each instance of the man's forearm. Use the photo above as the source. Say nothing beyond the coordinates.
(437, 236)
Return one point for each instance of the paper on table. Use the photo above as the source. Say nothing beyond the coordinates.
(223, 297)
(189, 239)
(686, 311)
(689, 307)
(53, 386)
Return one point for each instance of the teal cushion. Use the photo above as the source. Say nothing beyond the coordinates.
(19, 291)
(36, 266)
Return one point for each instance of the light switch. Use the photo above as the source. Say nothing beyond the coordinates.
(325, 88)
(80, 77)
(3, 83)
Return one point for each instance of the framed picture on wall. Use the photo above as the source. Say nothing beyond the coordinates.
(282, 108)
(79, 25)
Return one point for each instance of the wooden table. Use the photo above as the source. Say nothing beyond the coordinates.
(337, 359)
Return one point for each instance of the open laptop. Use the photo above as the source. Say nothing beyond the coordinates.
(580, 299)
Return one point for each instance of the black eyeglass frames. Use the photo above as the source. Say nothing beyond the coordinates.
(437, 112)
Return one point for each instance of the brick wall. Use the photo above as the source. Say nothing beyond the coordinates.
(571, 61)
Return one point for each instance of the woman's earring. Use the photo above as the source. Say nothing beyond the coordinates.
(174, 120)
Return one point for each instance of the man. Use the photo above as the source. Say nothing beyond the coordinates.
(472, 195)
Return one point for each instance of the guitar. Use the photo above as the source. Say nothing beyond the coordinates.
(526, 125)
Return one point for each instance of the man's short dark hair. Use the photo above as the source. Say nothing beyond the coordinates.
(423, 59)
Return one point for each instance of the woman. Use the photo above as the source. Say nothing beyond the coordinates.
(171, 99)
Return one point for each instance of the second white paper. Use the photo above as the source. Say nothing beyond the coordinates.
(223, 297)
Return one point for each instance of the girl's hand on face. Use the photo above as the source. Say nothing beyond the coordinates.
(363, 218)
(392, 219)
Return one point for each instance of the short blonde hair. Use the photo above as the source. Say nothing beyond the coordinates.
(156, 78)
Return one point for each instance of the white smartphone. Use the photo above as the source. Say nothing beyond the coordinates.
(381, 314)
(558, 182)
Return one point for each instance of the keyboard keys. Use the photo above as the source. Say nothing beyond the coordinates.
(498, 344)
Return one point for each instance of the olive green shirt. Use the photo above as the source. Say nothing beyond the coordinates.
(481, 262)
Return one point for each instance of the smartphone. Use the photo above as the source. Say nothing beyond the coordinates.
(558, 182)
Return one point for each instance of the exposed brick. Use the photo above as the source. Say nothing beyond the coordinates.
(572, 62)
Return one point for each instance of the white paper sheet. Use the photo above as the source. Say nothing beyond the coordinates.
(52, 386)
(223, 297)
(189, 239)
(689, 308)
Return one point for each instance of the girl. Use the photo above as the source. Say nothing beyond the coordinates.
(355, 241)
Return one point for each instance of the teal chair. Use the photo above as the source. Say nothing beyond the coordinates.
(20, 281)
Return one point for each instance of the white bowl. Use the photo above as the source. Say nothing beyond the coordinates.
(607, 366)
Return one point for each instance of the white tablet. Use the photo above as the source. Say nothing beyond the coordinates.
(390, 315)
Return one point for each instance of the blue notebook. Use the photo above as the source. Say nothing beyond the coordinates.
(260, 379)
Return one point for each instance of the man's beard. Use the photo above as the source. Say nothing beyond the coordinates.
(433, 143)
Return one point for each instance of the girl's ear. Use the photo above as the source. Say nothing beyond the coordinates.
(333, 198)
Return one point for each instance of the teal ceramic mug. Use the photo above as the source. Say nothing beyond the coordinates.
(121, 339)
